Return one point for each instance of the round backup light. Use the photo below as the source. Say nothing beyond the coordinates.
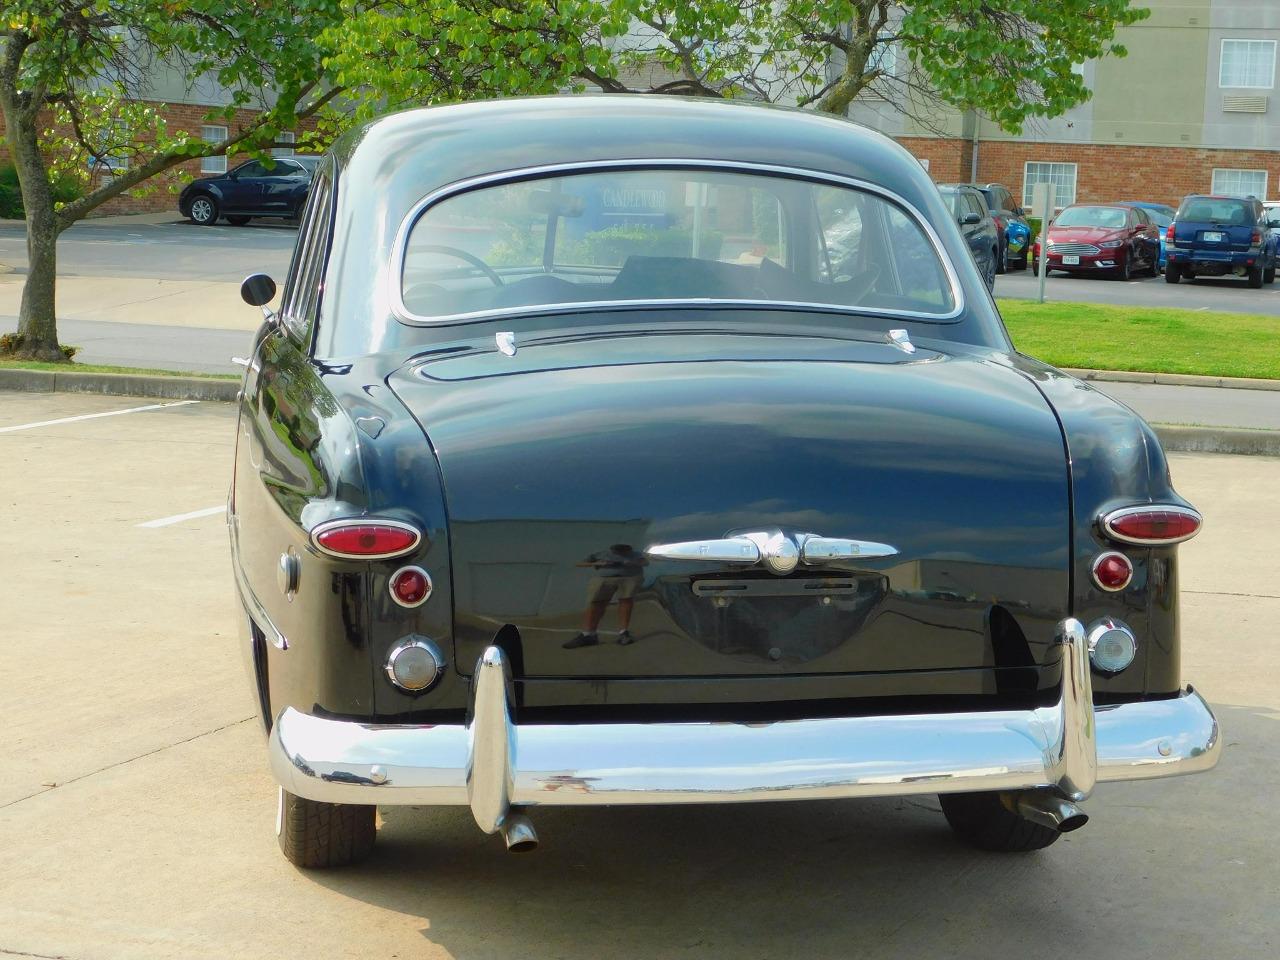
(1112, 571)
(410, 586)
(414, 664)
(1112, 645)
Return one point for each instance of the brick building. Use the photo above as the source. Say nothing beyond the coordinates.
(185, 105)
(1192, 109)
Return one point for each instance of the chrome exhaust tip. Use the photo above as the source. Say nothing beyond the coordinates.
(519, 834)
(1049, 810)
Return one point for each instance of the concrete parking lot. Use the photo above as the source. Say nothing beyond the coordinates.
(137, 815)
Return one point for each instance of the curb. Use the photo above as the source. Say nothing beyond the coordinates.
(120, 384)
(1232, 440)
(1172, 379)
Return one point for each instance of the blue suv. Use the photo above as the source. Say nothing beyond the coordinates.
(1217, 236)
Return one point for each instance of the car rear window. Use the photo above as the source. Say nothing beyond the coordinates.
(669, 235)
(1222, 210)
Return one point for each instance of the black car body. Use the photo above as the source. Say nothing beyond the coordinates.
(1218, 236)
(616, 450)
(271, 187)
(1015, 230)
(979, 227)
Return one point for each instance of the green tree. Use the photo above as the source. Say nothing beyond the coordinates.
(73, 73)
(1013, 60)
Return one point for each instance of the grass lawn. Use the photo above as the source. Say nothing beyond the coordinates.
(102, 368)
(1155, 339)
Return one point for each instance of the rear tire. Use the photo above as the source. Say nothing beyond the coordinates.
(238, 220)
(984, 821)
(1269, 275)
(1255, 278)
(317, 835)
(1172, 273)
(1002, 260)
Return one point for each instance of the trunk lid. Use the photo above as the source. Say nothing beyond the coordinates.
(564, 463)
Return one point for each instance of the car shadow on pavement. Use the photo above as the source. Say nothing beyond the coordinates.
(836, 878)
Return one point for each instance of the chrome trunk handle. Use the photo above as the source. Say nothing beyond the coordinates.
(779, 552)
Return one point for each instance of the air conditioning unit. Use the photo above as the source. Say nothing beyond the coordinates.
(1242, 104)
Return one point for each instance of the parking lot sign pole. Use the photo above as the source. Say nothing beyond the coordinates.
(1043, 196)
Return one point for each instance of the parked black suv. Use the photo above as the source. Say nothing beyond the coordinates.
(1217, 236)
(977, 224)
(1011, 221)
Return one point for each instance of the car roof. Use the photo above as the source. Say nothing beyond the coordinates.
(394, 161)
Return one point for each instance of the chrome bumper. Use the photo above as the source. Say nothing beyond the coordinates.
(492, 765)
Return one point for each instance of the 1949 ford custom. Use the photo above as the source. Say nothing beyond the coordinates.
(613, 450)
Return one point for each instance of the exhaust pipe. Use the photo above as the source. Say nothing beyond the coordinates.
(1049, 810)
(518, 833)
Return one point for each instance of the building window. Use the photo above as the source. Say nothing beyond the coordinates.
(288, 151)
(1243, 183)
(216, 164)
(884, 56)
(1248, 63)
(1061, 175)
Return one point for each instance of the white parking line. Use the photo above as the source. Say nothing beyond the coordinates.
(94, 416)
(193, 515)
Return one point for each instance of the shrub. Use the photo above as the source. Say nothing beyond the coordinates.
(65, 189)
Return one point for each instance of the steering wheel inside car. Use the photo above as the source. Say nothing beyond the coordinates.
(461, 254)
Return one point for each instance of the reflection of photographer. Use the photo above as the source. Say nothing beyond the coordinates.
(619, 571)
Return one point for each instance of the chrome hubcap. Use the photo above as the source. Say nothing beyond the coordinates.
(201, 210)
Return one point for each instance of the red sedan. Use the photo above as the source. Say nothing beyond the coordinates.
(1102, 238)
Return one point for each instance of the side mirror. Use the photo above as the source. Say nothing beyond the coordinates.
(1274, 223)
(257, 290)
(970, 218)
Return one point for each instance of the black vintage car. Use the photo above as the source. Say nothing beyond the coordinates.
(614, 450)
(272, 187)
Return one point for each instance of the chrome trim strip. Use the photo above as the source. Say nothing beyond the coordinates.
(1108, 518)
(253, 606)
(492, 764)
(399, 251)
(731, 550)
(819, 550)
(1097, 562)
(320, 528)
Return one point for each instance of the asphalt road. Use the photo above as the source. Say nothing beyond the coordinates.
(137, 814)
(1230, 295)
(170, 250)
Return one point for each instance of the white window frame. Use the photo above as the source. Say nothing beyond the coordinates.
(1229, 191)
(216, 164)
(1222, 64)
(1059, 200)
(289, 137)
(884, 55)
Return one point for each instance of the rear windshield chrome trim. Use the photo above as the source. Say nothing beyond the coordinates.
(400, 248)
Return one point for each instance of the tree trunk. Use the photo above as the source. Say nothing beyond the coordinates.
(37, 319)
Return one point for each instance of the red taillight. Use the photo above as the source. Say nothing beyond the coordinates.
(1152, 525)
(365, 539)
(1256, 239)
(1112, 571)
(1168, 234)
(410, 586)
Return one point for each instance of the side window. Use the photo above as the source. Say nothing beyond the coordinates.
(251, 169)
(305, 282)
(977, 205)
